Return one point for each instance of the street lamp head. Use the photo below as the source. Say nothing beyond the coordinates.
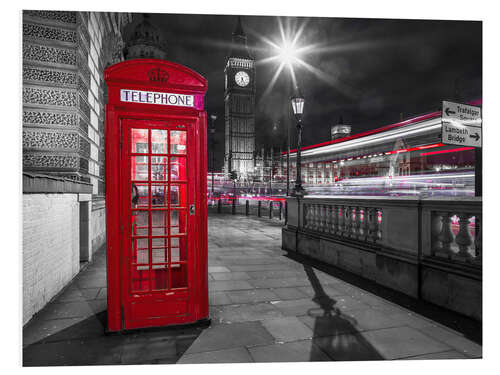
(298, 104)
(213, 117)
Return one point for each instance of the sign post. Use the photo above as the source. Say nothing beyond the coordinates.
(461, 125)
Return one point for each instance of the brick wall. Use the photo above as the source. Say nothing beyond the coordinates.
(50, 247)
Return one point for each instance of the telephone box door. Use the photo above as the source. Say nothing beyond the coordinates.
(158, 196)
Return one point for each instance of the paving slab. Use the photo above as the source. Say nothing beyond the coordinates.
(245, 312)
(297, 351)
(234, 355)
(454, 339)
(288, 293)
(348, 347)
(219, 298)
(220, 276)
(287, 329)
(217, 286)
(328, 325)
(251, 296)
(402, 342)
(226, 336)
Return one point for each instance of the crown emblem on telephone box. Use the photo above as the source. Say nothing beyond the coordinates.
(158, 75)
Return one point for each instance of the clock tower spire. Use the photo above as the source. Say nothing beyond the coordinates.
(239, 100)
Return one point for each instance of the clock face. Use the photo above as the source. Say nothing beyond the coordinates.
(242, 78)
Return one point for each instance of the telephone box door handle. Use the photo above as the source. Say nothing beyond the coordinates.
(192, 209)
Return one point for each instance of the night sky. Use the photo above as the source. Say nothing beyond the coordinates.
(373, 69)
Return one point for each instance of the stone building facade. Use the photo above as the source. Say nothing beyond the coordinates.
(64, 57)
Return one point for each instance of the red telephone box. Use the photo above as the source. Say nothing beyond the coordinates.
(156, 210)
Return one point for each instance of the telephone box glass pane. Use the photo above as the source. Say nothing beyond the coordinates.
(159, 195)
(179, 275)
(139, 139)
(159, 141)
(174, 169)
(177, 222)
(174, 195)
(160, 250)
(178, 168)
(178, 142)
(140, 251)
(139, 168)
(159, 223)
(140, 195)
(159, 168)
(178, 249)
(140, 223)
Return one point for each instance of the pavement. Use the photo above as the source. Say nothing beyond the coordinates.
(265, 306)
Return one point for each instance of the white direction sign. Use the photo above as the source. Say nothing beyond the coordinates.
(461, 125)
(461, 135)
(462, 113)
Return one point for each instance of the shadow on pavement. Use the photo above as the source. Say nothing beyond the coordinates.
(85, 343)
(333, 332)
(471, 329)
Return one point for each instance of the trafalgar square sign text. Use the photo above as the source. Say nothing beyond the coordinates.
(461, 124)
(152, 97)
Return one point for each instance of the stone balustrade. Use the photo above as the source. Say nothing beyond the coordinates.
(343, 220)
(428, 248)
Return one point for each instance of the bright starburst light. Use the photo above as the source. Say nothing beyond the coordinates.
(287, 53)
(290, 50)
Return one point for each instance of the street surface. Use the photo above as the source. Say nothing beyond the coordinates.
(264, 306)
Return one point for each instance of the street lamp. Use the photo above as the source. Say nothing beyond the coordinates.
(297, 102)
(212, 132)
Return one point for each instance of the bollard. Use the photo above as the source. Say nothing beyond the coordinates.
(280, 209)
(218, 206)
(270, 209)
(233, 209)
(247, 207)
(258, 208)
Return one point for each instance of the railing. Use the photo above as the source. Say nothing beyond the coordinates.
(441, 228)
(272, 208)
(348, 221)
(429, 248)
(455, 231)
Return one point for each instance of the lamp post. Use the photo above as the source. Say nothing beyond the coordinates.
(297, 102)
(212, 142)
(287, 159)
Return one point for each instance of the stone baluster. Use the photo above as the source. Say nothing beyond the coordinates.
(365, 225)
(341, 221)
(446, 235)
(372, 224)
(478, 238)
(347, 221)
(463, 238)
(314, 213)
(322, 218)
(436, 226)
(356, 227)
(335, 219)
(328, 219)
(310, 217)
(379, 226)
(307, 216)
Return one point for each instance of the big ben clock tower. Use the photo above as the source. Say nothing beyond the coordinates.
(239, 99)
